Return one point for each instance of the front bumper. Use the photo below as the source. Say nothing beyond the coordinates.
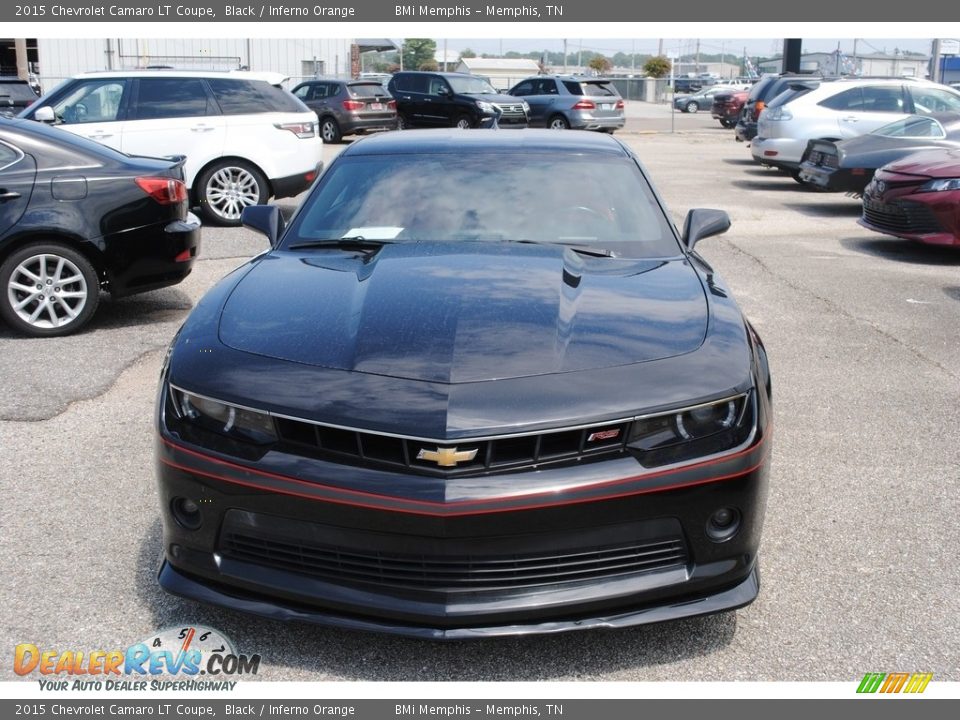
(623, 551)
(833, 180)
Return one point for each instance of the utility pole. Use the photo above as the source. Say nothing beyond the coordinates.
(580, 56)
(564, 56)
(856, 62)
(23, 64)
(935, 62)
(660, 48)
(697, 71)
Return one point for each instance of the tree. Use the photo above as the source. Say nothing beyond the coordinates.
(417, 51)
(600, 64)
(657, 66)
(429, 66)
(467, 53)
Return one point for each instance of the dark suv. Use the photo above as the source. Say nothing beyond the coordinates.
(766, 89)
(436, 99)
(348, 107)
(15, 94)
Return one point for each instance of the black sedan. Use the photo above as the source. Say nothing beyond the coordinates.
(498, 410)
(849, 165)
(77, 216)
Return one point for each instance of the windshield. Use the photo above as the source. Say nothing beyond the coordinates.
(596, 201)
(471, 86)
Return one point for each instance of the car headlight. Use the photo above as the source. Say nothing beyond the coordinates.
(692, 432)
(526, 106)
(486, 107)
(940, 185)
(236, 422)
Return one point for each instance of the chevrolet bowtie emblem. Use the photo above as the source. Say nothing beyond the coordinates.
(447, 457)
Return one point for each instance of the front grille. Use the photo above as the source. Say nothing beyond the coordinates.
(428, 458)
(466, 573)
(901, 217)
(512, 111)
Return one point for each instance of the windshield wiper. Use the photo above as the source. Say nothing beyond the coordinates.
(355, 242)
(580, 249)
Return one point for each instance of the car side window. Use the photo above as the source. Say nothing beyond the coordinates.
(438, 86)
(883, 98)
(547, 87)
(524, 88)
(8, 156)
(303, 92)
(928, 100)
(92, 101)
(172, 98)
(851, 99)
(573, 87)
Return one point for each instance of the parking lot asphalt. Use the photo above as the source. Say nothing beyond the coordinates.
(858, 559)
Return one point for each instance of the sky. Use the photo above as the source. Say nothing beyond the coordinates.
(709, 46)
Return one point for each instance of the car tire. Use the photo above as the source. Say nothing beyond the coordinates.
(52, 309)
(463, 122)
(558, 122)
(403, 122)
(330, 131)
(691, 107)
(728, 124)
(228, 186)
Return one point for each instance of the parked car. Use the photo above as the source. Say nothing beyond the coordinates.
(697, 101)
(844, 108)
(688, 85)
(916, 198)
(848, 165)
(560, 102)
(245, 139)
(762, 93)
(348, 107)
(502, 410)
(77, 216)
(727, 106)
(439, 99)
(15, 94)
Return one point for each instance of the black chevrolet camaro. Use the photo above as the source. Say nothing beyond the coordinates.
(480, 385)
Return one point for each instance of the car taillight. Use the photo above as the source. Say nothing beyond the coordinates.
(392, 104)
(619, 104)
(300, 129)
(353, 105)
(585, 105)
(757, 109)
(165, 191)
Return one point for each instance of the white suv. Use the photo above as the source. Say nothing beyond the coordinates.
(245, 138)
(840, 109)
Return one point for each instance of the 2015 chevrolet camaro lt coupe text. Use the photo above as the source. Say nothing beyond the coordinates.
(480, 385)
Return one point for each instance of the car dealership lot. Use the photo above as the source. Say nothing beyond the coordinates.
(858, 553)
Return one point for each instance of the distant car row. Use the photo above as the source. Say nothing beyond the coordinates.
(893, 141)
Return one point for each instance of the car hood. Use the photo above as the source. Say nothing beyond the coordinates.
(498, 98)
(464, 312)
(940, 163)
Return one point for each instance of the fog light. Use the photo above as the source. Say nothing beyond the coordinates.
(186, 512)
(723, 524)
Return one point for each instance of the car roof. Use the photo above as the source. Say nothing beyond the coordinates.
(450, 140)
(274, 78)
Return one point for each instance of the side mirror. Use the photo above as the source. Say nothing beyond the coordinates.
(44, 114)
(702, 223)
(265, 219)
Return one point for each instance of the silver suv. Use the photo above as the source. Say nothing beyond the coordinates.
(840, 109)
(560, 102)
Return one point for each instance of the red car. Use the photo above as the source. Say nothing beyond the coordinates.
(727, 107)
(917, 198)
